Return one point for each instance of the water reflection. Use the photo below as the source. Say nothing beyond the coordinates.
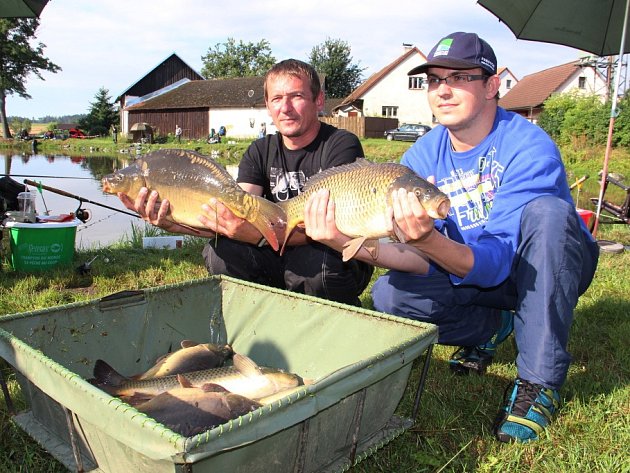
(80, 176)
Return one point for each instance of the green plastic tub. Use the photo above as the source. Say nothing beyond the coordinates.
(360, 361)
(41, 246)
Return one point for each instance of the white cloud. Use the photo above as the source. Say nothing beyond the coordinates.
(113, 43)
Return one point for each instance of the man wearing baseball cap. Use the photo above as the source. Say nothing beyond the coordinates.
(512, 253)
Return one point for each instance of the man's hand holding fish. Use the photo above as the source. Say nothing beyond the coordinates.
(319, 222)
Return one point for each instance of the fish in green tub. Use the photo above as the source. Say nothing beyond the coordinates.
(244, 377)
(190, 410)
(191, 356)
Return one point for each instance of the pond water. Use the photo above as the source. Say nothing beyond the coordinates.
(80, 176)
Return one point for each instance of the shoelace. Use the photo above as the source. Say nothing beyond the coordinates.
(526, 395)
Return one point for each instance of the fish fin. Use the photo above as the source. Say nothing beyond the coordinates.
(372, 248)
(399, 234)
(213, 388)
(287, 234)
(351, 247)
(269, 219)
(137, 398)
(105, 374)
(246, 366)
(188, 344)
(184, 382)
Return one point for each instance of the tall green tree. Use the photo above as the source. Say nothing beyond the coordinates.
(237, 60)
(19, 57)
(101, 116)
(333, 58)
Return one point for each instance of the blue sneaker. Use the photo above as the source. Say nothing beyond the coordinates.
(477, 358)
(528, 412)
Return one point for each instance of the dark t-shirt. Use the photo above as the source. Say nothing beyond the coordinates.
(283, 172)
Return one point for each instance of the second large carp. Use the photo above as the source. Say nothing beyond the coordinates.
(362, 191)
(188, 180)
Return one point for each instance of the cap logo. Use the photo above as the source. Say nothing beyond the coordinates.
(444, 47)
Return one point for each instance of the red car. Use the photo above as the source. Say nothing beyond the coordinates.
(76, 133)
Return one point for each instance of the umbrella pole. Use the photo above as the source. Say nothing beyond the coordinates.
(613, 114)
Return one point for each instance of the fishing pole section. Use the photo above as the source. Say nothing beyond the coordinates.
(81, 213)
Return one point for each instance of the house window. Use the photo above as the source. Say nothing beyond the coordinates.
(390, 111)
(582, 82)
(508, 84)
(416, 82)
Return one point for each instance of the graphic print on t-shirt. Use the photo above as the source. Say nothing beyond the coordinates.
(471, 191)
(285, 185)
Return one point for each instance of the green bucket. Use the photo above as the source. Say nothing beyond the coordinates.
(41, 246)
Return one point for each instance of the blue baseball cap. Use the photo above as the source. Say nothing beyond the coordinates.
(460, 51)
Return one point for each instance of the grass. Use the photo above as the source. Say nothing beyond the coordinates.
(452, 432)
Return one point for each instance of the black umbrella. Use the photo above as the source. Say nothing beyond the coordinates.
(21, 8)
(598, 27)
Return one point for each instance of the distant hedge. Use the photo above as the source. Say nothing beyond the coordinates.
(572, 118)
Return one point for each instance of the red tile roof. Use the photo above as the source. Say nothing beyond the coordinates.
(534, 89)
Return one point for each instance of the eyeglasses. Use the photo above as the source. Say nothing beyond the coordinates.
(456, 79)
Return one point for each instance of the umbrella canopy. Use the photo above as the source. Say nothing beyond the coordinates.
(21, 8)
(596, 26)
(140, 127)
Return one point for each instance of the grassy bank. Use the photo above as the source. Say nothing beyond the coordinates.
(452, 433)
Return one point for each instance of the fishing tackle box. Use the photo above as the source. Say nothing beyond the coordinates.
(360, 361)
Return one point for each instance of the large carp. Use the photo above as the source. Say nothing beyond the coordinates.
(245, 377)
(190, 410)
(188, 180)
(362, 191)
(191, 356)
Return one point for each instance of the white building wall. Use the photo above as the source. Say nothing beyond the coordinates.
(594, 83)
(237, 121)
(393, 90)
(506, 76)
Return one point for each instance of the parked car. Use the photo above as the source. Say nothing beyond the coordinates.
(407, 132)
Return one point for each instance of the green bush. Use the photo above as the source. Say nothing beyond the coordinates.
(575, 119)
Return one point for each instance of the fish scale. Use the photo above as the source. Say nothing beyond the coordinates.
(362, 191)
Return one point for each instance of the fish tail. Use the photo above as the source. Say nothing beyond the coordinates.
(292, 219)
(105, 374)
(268, 218)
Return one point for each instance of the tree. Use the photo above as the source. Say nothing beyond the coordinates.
(19, 58)
(237, 60)
(333, 59)
(101, 116)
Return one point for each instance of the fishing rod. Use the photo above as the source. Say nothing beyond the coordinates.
(47, 177)
(77, 197)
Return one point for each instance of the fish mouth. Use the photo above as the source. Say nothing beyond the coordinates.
(441, 210)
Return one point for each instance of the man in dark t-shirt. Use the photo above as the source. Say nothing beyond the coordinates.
(277, 167)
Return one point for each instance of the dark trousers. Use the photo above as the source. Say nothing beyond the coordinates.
(313, 269)
(554, 264)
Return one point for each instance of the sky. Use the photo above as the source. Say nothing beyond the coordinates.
(114, 43)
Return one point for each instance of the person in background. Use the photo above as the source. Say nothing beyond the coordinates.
(512, 254)
(277, 167)
(263, 130)
(114, 134)
(178, 133)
